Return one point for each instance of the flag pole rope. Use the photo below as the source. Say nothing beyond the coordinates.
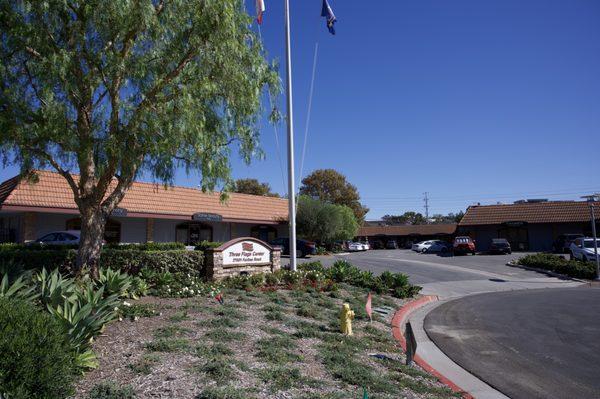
(306, 126)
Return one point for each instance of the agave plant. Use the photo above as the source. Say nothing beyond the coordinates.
(84, 318)
(17, 289)
(55, 289)
(114, 282)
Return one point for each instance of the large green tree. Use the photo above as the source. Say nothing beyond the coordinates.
(329, 185)
(254, 187)
(108, 89)
(323, 221)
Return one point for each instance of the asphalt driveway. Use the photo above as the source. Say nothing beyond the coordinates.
(432, 268)
(527, 344)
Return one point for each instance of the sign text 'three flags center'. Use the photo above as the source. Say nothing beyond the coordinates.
(246, 252)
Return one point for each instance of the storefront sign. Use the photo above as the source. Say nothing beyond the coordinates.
(119, 212)
(207, 217)
(246, 253)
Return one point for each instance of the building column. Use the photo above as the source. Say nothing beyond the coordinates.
(27, 228)
(149, 230)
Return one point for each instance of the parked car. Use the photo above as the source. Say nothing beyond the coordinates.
(436, 246)
(420, 246)
(391, 244)
(378, 244)
(583, 249)
(66, 237)
(303, 247)
(563, 242)
(463, 245)
(366, 246)
(424, 246)
(355, 246)
(500, 246)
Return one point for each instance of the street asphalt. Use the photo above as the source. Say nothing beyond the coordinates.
(516, 332)
(527, 344)
(431, 268)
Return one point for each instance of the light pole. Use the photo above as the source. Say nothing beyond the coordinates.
(591, 199)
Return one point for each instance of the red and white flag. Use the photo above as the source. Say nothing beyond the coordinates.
(368, 307)
(260, 9)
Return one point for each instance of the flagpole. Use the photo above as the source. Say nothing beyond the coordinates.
(290, 131)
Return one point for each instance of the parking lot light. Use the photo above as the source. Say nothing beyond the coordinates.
(591, 199)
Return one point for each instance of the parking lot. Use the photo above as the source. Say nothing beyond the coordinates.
(431, 268)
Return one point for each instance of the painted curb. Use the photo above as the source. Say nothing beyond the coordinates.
(398, 320)
(547, 272)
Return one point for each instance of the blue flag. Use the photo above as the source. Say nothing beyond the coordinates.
(327, 12)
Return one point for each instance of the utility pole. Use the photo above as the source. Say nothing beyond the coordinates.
(290, 131)
(591, 200)
(426, 199)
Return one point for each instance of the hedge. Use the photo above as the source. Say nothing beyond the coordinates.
(558, 264)
(149, 246)
(127, 260)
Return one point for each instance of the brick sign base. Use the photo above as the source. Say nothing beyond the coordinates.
(246, 255)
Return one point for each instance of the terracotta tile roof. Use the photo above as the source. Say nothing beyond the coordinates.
(406, 230)
(538, 212)
(53, 191)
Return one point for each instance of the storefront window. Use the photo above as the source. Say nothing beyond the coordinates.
(193, 233)
(264, 232)
(112, 231)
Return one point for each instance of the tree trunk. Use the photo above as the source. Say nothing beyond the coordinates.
(93, 222)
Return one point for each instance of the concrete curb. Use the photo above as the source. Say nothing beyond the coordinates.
(547, 272)
(399, 319)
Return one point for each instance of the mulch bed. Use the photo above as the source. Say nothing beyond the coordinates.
(281, 344)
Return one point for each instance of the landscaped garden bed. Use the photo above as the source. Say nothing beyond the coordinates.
(166, 332)
(258, 344)
(558, 264)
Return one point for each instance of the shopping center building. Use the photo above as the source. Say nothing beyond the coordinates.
(529, 225)
(148, 212)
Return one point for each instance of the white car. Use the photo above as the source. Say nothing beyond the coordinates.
(421, 246)
(583, 249)
(431, 246)
(356, 246)
(66, 237)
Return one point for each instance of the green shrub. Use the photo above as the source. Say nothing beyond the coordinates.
(109, 390)
(37, 361)
(204, 245)
(558, 264)
(24, 257)
(173, 261)
(126, 260)
(148, 246)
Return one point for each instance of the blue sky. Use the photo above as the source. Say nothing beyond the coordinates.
(468, 100)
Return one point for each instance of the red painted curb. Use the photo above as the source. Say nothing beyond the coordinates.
(399, 318)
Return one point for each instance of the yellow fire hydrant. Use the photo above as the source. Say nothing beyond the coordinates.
(346, 316)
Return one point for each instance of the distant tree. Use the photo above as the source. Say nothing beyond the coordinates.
(406, 218)
(324, 222)
(449, 218)
(458, 216)
(109, 89)
(331, 186)
(254, 187)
